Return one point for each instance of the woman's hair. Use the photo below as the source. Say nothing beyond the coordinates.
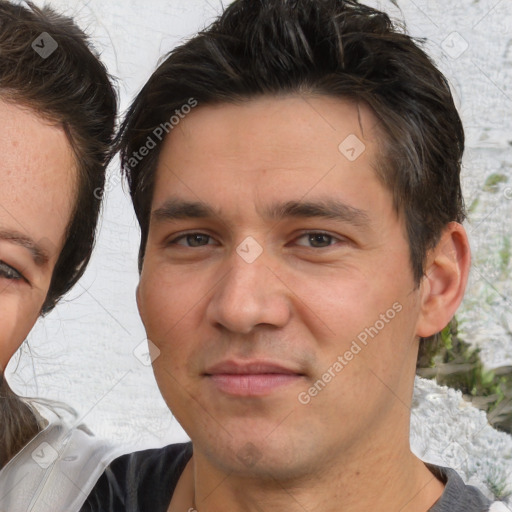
(47, 65)
(18, 423)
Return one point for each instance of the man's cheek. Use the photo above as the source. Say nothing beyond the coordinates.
(173, 361)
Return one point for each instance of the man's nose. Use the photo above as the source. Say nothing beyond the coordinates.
(250, 294)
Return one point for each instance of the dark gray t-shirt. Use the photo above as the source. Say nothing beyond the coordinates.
(457, 496)
(145, 481)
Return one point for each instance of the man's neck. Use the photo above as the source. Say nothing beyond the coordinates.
(398, 483)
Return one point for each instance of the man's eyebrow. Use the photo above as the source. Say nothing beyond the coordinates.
(175, 208)
(38, 253)
(324, 208)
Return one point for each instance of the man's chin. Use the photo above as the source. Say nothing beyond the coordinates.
(264, 460)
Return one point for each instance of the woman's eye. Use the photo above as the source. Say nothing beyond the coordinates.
(192, 240)
(7, 272)
(317, 240)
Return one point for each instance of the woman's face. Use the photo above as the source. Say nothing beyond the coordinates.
(37, 183)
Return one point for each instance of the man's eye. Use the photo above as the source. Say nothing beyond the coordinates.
(192, 240)
(7, 272)
(313, 239)
(317, 239)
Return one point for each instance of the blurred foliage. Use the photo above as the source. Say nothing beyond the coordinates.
(505, 254)
(492, 183)
(496, 481)
(473, 206)
(452, 362)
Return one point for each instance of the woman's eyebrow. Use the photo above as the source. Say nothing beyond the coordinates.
(38, 253)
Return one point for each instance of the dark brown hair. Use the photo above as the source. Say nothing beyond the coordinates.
(71, 88)
(338, 48)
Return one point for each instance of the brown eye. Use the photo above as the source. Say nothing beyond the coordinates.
(317, 240)
(197, 239)
(192, 240)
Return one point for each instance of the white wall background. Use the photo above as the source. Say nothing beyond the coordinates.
(83, 353)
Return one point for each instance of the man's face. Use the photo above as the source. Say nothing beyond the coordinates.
(281, 301)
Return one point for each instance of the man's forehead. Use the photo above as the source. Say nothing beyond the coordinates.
(288, 133)
(222, 149)
(324, 113)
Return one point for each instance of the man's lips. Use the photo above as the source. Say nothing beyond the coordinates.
(251, 378)
(250, 367)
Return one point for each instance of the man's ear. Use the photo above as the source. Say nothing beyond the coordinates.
(443, 285)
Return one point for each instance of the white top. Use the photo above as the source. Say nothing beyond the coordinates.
(498, 506)
(56, 470)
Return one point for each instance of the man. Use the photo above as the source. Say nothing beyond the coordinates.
(295, 173)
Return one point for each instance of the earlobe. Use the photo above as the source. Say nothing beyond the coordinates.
(444, 282)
